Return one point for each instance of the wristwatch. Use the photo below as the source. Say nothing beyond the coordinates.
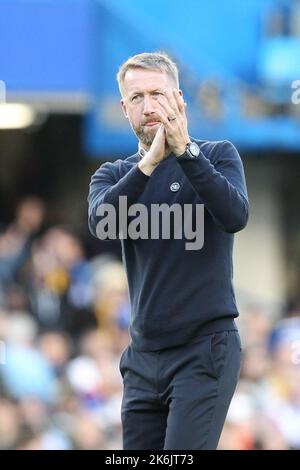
(192, 150)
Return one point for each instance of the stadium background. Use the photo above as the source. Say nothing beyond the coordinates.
(63, 300)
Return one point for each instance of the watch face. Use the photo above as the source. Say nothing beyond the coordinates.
(194, 149)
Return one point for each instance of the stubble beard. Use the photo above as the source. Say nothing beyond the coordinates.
(145, 136)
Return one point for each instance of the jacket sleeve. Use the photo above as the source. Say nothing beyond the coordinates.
(220, 185)
(106, 186)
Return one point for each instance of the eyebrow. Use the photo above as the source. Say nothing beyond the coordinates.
(136, 92)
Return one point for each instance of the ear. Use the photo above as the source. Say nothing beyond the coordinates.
(123, 105)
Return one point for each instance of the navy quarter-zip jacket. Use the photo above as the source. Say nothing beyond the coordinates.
(177, 294)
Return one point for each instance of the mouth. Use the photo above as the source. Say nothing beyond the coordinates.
(152, 124)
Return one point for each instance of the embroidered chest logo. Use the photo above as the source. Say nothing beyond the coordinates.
(175, 187)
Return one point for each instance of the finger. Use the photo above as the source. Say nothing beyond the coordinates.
(166, 107)
(172, 102)
(163, 117)
(179, 100)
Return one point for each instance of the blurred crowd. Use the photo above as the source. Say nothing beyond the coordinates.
(265, 411)
(63, 326)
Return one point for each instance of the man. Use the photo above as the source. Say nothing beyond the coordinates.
(182, 365)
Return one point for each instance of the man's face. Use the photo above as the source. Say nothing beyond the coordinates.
(141, 89)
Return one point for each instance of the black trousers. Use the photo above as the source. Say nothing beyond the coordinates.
(178, 398)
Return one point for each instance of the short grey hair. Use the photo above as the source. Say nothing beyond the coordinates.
(149, 60)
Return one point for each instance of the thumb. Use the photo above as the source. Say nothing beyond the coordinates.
(159, 130)
(158, 135)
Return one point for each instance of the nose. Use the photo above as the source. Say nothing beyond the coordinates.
(149, 107)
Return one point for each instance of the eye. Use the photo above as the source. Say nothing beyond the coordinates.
(135, 98)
